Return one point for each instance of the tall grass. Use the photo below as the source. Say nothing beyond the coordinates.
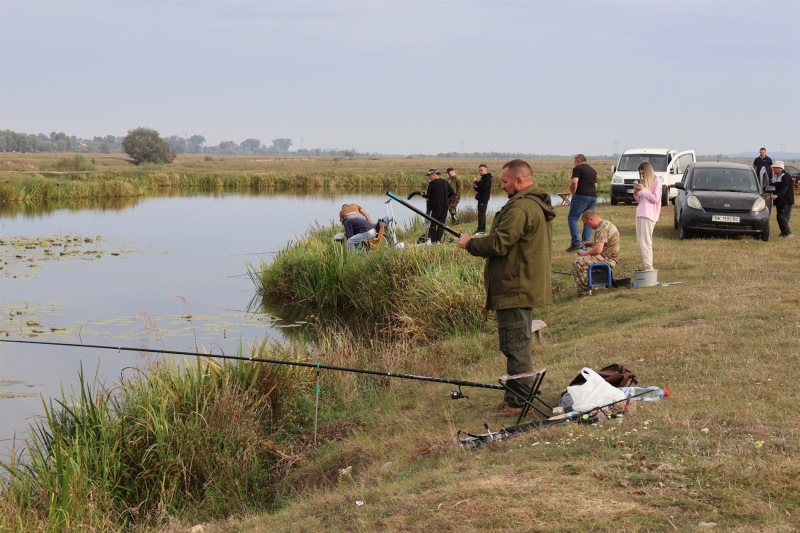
(425, 291)
(56, 179)
(200, 440)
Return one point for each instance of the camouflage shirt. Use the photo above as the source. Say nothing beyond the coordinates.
(608, 234)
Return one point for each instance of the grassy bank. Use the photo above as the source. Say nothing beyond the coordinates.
(722, 449)
(39, 177)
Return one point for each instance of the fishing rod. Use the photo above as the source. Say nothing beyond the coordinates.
(585, 417)
(423, 215)
(318, 366)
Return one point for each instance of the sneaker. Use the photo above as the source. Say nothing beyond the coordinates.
(573, 248)
(790, 236)
(479, 234)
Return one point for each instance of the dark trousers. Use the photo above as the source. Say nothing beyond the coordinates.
(482, 215)
(435, 232)
(514, 330)
(783, 213)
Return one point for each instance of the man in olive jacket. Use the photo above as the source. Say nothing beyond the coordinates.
(517, 271)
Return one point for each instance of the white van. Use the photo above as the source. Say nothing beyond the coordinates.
(668, 165)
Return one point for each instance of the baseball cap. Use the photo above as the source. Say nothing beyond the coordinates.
(449, 169)
(432, 171)
(777, 164)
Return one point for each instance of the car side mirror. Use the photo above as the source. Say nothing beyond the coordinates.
(769, 188)
(613, 168)
(679, 186)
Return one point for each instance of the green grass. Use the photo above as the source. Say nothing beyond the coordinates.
(197, 439)
(723, 448)
(46, 177)
(423, 292)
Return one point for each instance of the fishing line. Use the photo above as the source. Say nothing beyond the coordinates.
(254, 253)
(270, 361)
(214, 279)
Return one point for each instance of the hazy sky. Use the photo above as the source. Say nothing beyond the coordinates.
(555, 77)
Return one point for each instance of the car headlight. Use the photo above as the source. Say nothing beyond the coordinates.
(617, 180)
(693, 202)
(759, 205)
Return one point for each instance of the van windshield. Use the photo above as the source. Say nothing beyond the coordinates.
(631, 162)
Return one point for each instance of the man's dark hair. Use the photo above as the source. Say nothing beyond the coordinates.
(484, 166)
(518, 167)
(762, 148)
(580, 158)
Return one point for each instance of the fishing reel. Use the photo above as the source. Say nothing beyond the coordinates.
(457, 394)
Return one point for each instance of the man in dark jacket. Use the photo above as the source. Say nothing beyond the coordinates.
(517, 271)
(763, 166)
(438, 199)
(483, 190)
(782, 198)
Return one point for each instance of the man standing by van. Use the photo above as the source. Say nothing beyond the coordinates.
(584, 198)
(763, 166)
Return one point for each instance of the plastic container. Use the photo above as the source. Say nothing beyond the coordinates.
(646, 278)
(645, 394)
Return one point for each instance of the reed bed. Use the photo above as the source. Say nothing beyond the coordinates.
(198, 439)
(423, 291)
(44, 177)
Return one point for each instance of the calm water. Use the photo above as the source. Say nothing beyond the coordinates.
(178, 256)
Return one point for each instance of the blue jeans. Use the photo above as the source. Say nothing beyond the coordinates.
(580, 204)
(355, 241)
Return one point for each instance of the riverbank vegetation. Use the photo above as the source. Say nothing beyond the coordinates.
(722, 449)
(421, 291)
(40, 177)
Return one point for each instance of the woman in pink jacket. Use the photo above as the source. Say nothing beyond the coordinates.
(648, 194)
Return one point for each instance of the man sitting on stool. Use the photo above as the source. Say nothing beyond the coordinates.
(604, 249)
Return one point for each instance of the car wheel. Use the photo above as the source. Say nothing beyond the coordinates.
(614, 201)
(683, 233)
(664, 196)
(764, 235)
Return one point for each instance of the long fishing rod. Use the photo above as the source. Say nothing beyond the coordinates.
(458, 382)
(586, 416)
(423, 215)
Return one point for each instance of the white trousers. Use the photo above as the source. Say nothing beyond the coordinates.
(644, 238)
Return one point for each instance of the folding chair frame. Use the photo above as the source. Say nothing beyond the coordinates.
(532, 393)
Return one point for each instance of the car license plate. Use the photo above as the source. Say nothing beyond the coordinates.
(630, 191)
(721, 218)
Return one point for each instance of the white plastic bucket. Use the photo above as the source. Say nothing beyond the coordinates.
(646, 278)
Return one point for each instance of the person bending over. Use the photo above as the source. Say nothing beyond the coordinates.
(357, 225)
